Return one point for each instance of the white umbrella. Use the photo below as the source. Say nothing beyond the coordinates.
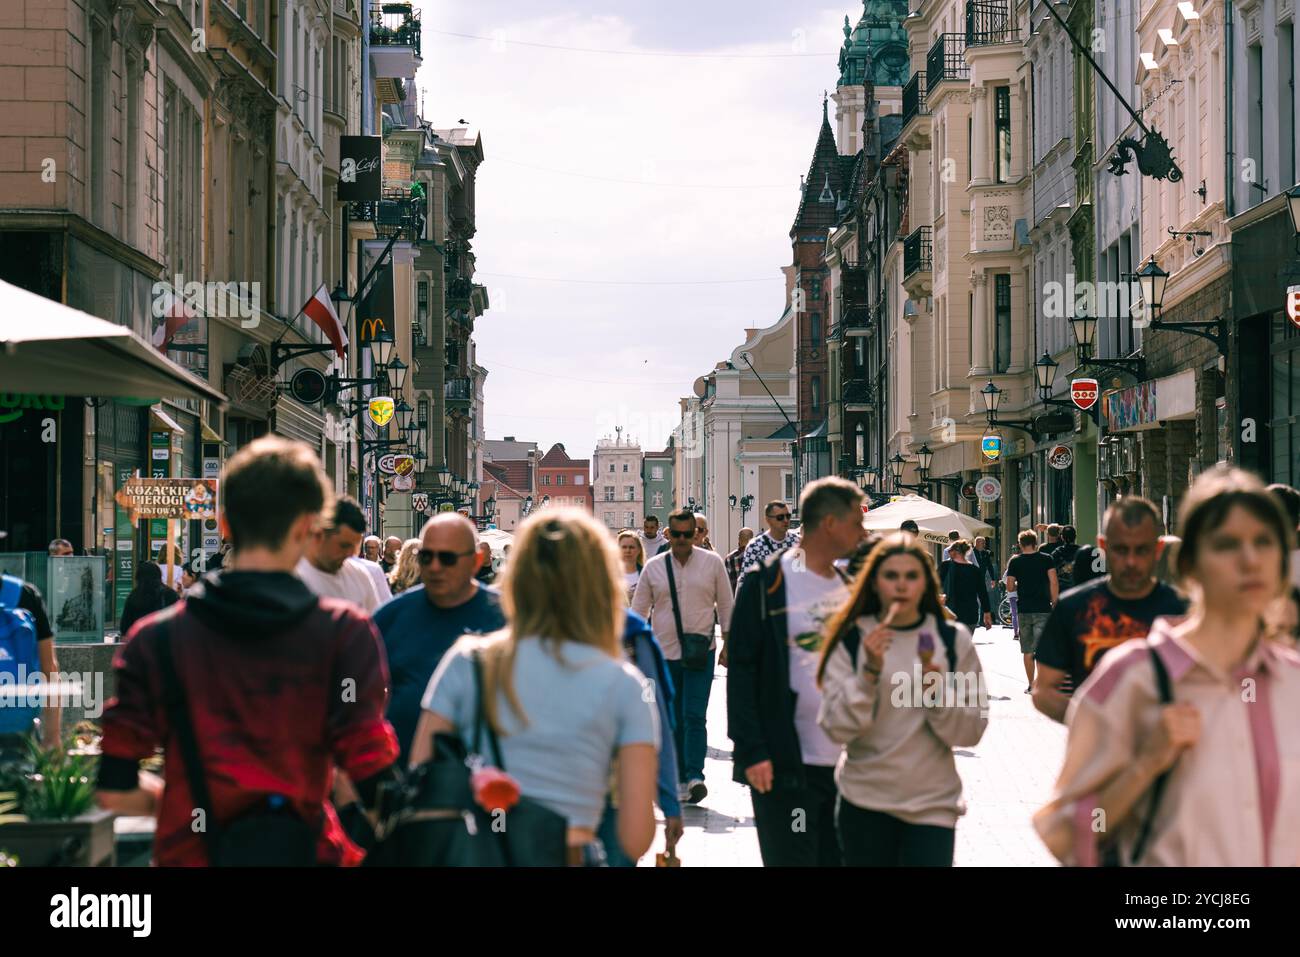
(933, 520)
(49, 348)
(497, 539)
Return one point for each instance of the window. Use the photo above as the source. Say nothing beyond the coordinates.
(580, 480)
(656, 473)
(1255, 120)
(1286, 98)
(1002, 322)
(559, 480)
(609, 493)
(970, 147)
(1002, 133)
(860, 446)
(816, 394)
(546, 480)
(609, 519)
(629, 519)
(657, 500)
(630, 492)
(624, 466)
(611, 466)
(815, 326)
(98, 95)
(789, 485)
(422, 310)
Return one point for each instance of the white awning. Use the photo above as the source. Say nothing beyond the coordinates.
(49, 348)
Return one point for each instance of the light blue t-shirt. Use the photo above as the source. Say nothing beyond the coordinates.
(579, 714)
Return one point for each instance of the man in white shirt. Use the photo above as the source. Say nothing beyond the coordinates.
(703, 592)
(383, 592)
(325, 568)
(777, 538)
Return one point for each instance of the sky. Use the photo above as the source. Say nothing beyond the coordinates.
(609, 298)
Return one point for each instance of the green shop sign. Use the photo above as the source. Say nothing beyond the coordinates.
(14, 404)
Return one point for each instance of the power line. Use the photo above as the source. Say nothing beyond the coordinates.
(569, 378)
(641, 53)
(638, 182)
(634, 282)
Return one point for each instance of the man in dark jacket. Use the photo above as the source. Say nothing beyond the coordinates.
(280, 687)
(772, 698)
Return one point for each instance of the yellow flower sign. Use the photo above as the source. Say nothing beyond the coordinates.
(381, 410)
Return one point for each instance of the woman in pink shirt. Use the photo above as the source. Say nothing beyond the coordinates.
(1205, 772)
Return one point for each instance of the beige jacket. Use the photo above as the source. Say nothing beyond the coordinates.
(899, 729)
(1232, 799)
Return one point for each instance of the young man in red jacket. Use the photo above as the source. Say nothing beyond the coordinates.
(280, 687)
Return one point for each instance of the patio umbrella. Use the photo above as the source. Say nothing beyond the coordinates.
(932, 519)
(48, 348)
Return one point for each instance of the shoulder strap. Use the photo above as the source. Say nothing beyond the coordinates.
(672, 592)
(1164, 689)
(480, 716)
(852, 641)
(178, 715)
(948, 635)
(11, 592)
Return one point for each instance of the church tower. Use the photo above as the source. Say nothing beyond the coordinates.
(875, 54)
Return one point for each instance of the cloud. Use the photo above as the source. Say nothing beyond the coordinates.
(743, 129)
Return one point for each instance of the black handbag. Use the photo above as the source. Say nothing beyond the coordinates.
(271, 833)
(695, 648)
(441, 825)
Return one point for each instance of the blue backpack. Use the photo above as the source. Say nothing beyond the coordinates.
(20, 662)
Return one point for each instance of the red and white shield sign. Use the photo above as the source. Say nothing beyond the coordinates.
(1293, 304)
(1083, 392)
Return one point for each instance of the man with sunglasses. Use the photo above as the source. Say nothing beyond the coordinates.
(777, 538)
(420, 624)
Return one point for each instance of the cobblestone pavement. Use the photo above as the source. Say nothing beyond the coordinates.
(1006, 776)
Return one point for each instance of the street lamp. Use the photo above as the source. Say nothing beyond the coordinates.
(397, 369)
(1153, 280)
(896, 465)
(923, 457)
(992, 399)
(1045, 367)
(403, 410)
(381, 348)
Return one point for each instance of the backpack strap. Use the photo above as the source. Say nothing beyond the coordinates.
(1164, 689)
(11, 591)
(178, 715)
(948, 635)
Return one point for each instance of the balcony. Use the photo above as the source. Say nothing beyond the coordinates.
(457, 393)
(914, 98)
(396, 213)
(946, 60)
(858, 396)
(989, 22)
(858, 320)
(917, 263)
(395, 40)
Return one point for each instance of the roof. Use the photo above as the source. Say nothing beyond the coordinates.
(784, 432)
(824, 183)
(556, 457)
(513, 472)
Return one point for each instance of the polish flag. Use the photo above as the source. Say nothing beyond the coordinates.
(320, 310)
(173, 323)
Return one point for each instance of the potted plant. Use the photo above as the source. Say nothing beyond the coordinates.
(53, 793)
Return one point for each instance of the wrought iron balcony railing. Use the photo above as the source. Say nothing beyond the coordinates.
(990, 21)
(457, 390)
(914, 98)
(946, 59)
(916, 252)
(395, 24)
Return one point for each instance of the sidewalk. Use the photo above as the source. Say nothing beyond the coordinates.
(1007, 776)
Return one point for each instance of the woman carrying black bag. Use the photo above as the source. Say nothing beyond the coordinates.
(558, 703)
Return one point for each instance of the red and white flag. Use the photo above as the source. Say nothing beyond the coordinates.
(320, 310)
(173, 323)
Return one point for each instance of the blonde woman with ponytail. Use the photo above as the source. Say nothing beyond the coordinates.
(556, 688)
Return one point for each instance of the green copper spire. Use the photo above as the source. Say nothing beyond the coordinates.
(877, 44)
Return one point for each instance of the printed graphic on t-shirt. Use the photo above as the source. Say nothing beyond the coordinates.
(1102, 627)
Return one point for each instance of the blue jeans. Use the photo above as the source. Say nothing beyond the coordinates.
(691, 705)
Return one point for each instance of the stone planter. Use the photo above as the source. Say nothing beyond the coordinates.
(84, 841)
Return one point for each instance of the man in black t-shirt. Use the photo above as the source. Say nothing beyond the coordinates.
(1090, 620)
(1032, 576)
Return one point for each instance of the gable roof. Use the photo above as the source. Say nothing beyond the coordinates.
(556, 457)
(515, 473)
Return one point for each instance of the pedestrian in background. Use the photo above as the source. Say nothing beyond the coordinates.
(556, 688)
(652, 539)
(325, 567)
(60, 548)
(392, 545)
(683, 592)
(899, 791)
(632, 559)
(965, 590)
(371, 548)
(1032, 576)
(773, 697)
(486, 573)
(148, 596)
(777, 538)
(421, 624)
(406, 572)
(735, 561)
(702, 532)
(1166, 747)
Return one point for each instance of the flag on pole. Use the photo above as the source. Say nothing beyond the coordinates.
(176, 319)
(320, 310)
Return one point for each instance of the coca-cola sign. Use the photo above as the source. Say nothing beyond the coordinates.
(360, 169)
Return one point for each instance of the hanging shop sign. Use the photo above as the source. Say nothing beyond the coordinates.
(991, 446)
(1084, 392)
(968, 491)
(385, 464)
(1293, 304)
(988, 489)
(403, 465)
(190, 499)
(360, 169)
(1061, 457)
(381, 410)
(420, 502)
(307, 386)
(403, 483)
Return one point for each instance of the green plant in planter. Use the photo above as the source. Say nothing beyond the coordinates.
(8, 805)
(61, 784)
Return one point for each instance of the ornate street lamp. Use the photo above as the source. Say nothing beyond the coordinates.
(397, 370)
(381, 348)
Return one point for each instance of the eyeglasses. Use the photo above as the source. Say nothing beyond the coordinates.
(677, 534)
(425, 556)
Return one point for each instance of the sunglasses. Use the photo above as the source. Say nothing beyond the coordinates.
(781, 518)
(425, 556)
(690, 534)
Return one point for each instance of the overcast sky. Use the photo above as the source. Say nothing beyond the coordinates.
(616, 342)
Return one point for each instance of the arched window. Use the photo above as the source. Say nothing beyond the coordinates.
(860, 446)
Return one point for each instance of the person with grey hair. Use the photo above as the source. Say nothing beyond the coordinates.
(370, 547)
(773, 651)
(420, 624)
(60, 548)
(378, 576)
